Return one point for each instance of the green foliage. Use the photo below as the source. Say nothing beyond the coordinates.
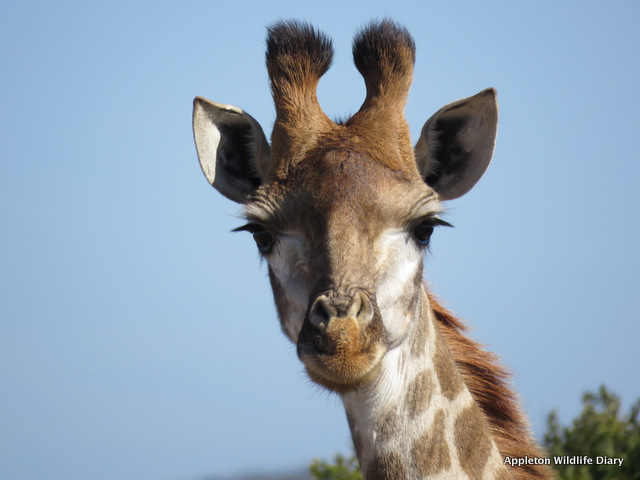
(598, 431)
(342, 469)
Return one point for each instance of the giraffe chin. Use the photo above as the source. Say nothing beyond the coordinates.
(341, 358)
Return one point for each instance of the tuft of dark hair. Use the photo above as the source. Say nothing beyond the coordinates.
(383, 49)
(296, 50)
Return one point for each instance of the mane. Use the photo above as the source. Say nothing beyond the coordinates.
(489, 384)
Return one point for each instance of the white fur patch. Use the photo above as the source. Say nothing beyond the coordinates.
(398, 262)
(288, 262)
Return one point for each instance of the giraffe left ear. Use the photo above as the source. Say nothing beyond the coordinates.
(232, 149)
(456, 144)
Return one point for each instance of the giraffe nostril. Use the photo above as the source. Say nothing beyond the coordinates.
(364, 312)
(324, 309)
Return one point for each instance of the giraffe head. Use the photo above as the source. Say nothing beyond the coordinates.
(342, 212)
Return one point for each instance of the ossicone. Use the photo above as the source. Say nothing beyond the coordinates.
(384, 53)
(297, 56)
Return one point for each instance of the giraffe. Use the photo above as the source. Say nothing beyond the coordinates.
(343, 212)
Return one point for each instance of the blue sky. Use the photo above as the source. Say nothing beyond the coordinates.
(138, 337)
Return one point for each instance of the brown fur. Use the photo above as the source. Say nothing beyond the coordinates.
(386, 425)
(488, 383)
(298, 55)
(429, 452)
(384, 54)
(419, 393)
(386, 467)
(472, 441)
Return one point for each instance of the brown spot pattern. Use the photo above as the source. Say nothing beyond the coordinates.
(488, 382)
(419, 393)
(472, 441)
(448, 375)
(430, 452)
(420, 336)
(386, 466)
(386, 424)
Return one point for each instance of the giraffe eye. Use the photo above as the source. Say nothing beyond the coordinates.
(264, 240)
(422, 233)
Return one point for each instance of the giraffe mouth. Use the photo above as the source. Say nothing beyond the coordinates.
(341, 356)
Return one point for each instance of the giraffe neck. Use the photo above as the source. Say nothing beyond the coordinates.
(417, 419)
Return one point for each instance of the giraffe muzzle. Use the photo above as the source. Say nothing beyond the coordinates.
(341, 341)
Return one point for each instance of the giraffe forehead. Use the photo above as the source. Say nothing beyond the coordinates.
(343, 191)
(344, 179)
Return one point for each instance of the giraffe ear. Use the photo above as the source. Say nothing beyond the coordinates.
(233, 151)
(456, 144)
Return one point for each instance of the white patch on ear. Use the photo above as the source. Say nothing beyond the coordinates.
(288, 264)
(206, 116)
(233, 152)
(399, 260)
(207, 138)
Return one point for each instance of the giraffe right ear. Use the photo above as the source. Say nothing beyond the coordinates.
(232, 149)
(456, 144)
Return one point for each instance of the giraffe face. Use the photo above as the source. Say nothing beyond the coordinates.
(344, 237)
(342, 212)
